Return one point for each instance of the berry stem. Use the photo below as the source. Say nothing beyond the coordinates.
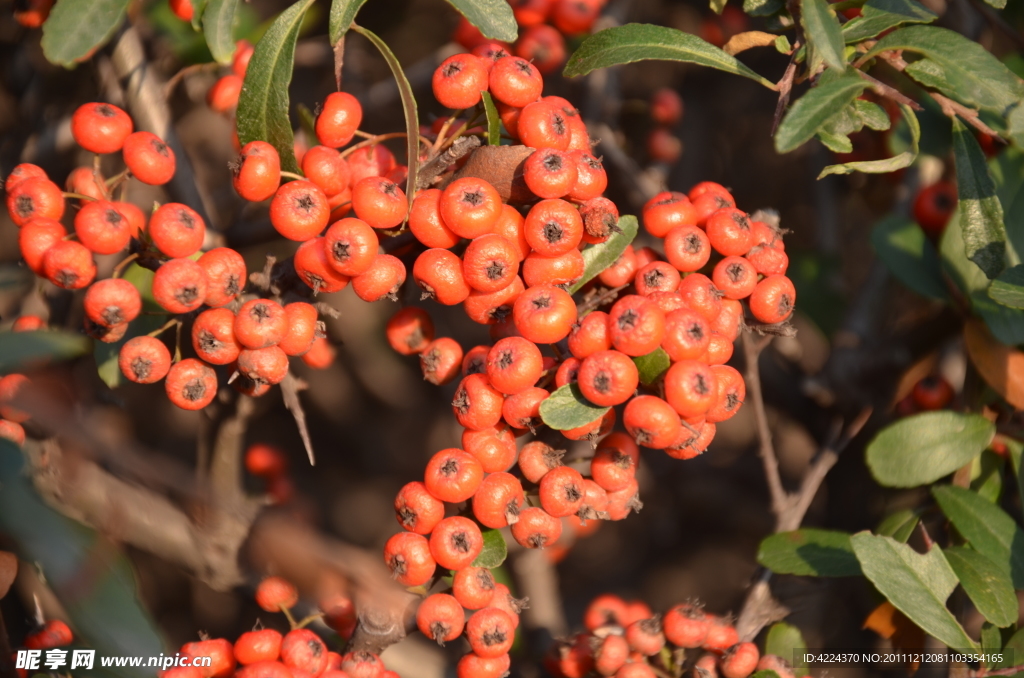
(292, 175)
(164, 327)
(97, 175)
(308, 619)
(78, 196)
(114, 182)
(291, 619)
(444, 130)
(177, 342)
(123, 264)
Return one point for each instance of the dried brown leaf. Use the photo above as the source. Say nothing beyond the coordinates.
(999, 365)
(744, 41)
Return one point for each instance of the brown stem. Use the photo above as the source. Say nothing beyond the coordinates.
(888, 92)
(437, 165)
(785, 87)
(290, 388)
(339, 60)
(752, 352)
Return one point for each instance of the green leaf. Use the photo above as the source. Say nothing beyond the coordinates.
(974, 76)
(1008, 288)
(988, 587)
(343, 13)
(916, 584)
(566, 408)
(998, 4)
(823, 34)
(872, 115)
(198, 9)
(991, 640)
(837, 143)
(762, 7)
(263, 104)
(782, 45)
(412, 124)
(494, 552)
(91, 578)
(785, 640)
(638, 42)
(493, 121)
(1013, 653)
(1016, 451)
(717, 5)
(986, 527)
(75, 29)
(812, 110)
(909, 255)
(652, 365)
(981, 215)
(494, 18)
(219, 29)
(881, 15)
(899, 525)
(899, 161)
(596, 258)
(921, 449)
(987, 475)
(809, 552)
(21, 350)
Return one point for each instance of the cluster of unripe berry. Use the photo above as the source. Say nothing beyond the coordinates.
(627, 640)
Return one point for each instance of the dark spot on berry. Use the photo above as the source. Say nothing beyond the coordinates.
(695, 331)
(654, 279)
(552, 162)
(592, 162)
(260, 312)
(643, 436)
(475, 366)
(700, 384)
(439, 631)
(537, 540)
(692, 244)
(741, 220)
(495, 270)
(495, 636)
(732, 401)
(429, 361)
(187, 294)
(602, 382)
(553, 232)
(194, 390)
(573, 493)
(628, 320)
(512, 517)
(316, 647)
(506, 360)
(389, 188)
(305, 202)
(543, 301)
(208, 343)
(524, 66)
(24, 206)
(499, 313)
(407, 517)
(66, 278)
(105, 111)
(186, 219)
(340, 251)
(461, 402)
(112, 315)
(652, 626)
(460, 542)
(450, 468)
(415, 338)
(233, 285)
(474, 198)
(735, 272)
(141, 367)
(623, 461)
(397, 565)
(160, 147)
(112, 217)
(454, 68)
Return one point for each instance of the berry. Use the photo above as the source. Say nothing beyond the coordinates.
(614, 466)
(537, 458)
(494, 447)
(35, 238)
(666, 107)
(54, 633)
(934, 205)
(144, 360)
(149, 159)
(543, 46)
(513, 365)
(608, 378)
(773, 299)
(112, 302)
(550, 173)
(225, 275)
(490, 632)
(370, 161)
(84, 181)
(28, 323)
(651, 421)
(489, 308)
(191, 384)
(666, 211)
(219, 651)
(439, 274)
(34, 198)
(739, 661)
(408, 557)
(176, 230)
(223, 95)
(441, 360)
(772, 662)
(303, 650)
(243, 53)
(636, 326)
(379, 202)
(10, 386)
(701, 295)
(458, 81)
(257, 646)
(410, 330)
(25, 170)
(708, 203)
(417, 510)
(473, 588)
(472, 665)
(932, 393)
(591, 179)
(383, 279)
(426, 223)
(70, 265)
(100, 128)
(515, 81)
(12, 431)
(542, 124)
(477, 404)
(470, 207)
(561, 491)
(645, 636)
(730, 232)
(263, 365)
(721, 636)
(731, 391)
(622, 502)
(610, 656)
(544, 314)
(568, 372)
(302, 328)
(256, 174)
(575, 16)
(264, 669)
(313, 267)
(338, 121)
(686, 626)
(456, 542)
(265, 461)
(735, 276)
(553, 227)
(453, 475)
(183, 9)
(690, 388)
(498, 500)
(687, 248)
(536, 528)
(441, 618)
(299, 210)
(325, 167)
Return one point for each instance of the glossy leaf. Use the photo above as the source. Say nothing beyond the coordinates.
(899, 525)
(981, 215)
(219, 29)
(596, 258)
(566, 408)
(811, 111)
(986, 585)
(988, 528)
(921, 449)
(1008, 288)
(973, 75)
(652, 365)
(494, 552)
(786, 641)
(809, 552)
(263, 105)
(494, 18)
(638, 42)
(20, 350)
(412, 125)
(881, 15)
(493, 121)
(75, 29)
(823, 34)
(916, 584)
(343, 13)
(897, 162)
(909, 255)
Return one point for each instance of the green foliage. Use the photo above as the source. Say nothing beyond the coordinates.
(921, 449)
(885, 165)
(916, 584)
(494, 18)
(899, 525)
(637, 42)
(566, 408)
(813, 110)
(981, 215)
(20, 350)
(75, 29)
(988, 587)
(596, 258)
(493, 121)
(219, 29)
(263, 105)
(343, 13)
(652, 365)
(786, 641)
(986, 527)
(1008, 288)
(494, 551)
(881, 15)
(809, 552)
(823, 34)
(909, 255)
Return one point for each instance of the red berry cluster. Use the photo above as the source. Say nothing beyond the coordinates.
(627, 640)
(46, 636)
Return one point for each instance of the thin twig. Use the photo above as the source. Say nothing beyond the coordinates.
(290, 389)
(752, 351)
(785, 87)
(889, 92)
(436, 166)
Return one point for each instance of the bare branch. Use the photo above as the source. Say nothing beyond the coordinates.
(752, 352)
(785, 87)
(436, 166)
(884, 90)
(290, 388)
(226, 465)
(538, 580)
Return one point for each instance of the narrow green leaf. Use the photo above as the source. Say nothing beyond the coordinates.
(785, 640)
(219, 29)
(596, 258)
(872, 115)
(263, 104)
(909, 255)
(412, 124)
(494, 552)
(807, 115)
(638, 42)
(986, 527)
(823, 33)
(998, 4)
(809, 552)
(988, 587)
(916, 584)
(921, 449)
(494, 18)
(991, 640)
(1008, 288)
(899, 525)
(981, 215)
(881, 15)
(652, 365)
(75, 29)
(782, 45)
(493, 121)
(717, 5)
(343, 13)
(762, 7)
(198, 9)
(837, 143)
(976, 77)
(897, 162)
(566, 408)
(20, 350)
(1015, 123)
(1016, 451)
